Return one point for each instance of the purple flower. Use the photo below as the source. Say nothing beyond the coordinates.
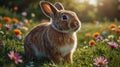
(113, 44)
(24, 14)
(15, 57)
(2, 43)
(101, 61)
(8, 27)
(99, 38)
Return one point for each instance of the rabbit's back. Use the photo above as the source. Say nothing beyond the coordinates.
(36, 33)
(35, 40)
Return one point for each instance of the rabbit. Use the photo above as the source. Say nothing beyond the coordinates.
(55, 40)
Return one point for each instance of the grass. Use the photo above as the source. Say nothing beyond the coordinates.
(83, 57)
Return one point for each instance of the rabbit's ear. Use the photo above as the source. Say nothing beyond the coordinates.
(48, 8)
(59, 6)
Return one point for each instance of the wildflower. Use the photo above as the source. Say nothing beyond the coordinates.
(117, 31)
(17, 32)
(113, 44)
(119, 26)
(85, 47)
(15, 20)
(87, 35)
(8, 27)
(20, 24)
(111, 36)
(7, 19)
(18, 37)
(112, 26)
(101, 61)
(15, 25)
(24, 14)
(32, 14)
(1, 32)
(15, 57)
(96, 34)
(0, 25)
(2, 43)
(118, 40)
(15, 8)
(92, 42)
(85, 42)
(105, 33)
(26, 20)
(105, 40)
(24, 28)
(99, 38)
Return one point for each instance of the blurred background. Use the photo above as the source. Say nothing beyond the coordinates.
(87, 10)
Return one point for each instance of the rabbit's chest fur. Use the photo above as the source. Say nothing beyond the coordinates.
(67, 48)
(64, 42)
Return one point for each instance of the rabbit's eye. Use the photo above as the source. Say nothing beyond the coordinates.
(64, 17)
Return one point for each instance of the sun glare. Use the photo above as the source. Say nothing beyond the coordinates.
(81, 1)
(92, 2)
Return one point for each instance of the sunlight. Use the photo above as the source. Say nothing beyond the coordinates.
(81, 1)
(91, 2)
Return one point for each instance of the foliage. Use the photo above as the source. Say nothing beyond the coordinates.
(95, 39)
(84, 55)
(84, 11)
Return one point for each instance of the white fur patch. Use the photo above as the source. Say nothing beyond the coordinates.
(67, 48)
(70, 47)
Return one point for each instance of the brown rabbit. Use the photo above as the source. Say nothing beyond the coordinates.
(55, 40)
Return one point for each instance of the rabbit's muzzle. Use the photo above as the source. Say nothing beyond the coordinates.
(75, 25)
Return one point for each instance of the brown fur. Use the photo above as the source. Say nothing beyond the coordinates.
(49, 39)
(39, 36)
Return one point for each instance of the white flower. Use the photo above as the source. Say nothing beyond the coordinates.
(24, 28)
(119, 26)
(32, 15)
(85, 47)
(105, 40)
(110, 36)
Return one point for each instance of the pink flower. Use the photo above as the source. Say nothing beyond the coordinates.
(101, 61)
(15, 57)
(24, 13)
(26, 20)
(8, 27)
(113, 44)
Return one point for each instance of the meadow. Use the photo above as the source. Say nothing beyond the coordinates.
(98, 45)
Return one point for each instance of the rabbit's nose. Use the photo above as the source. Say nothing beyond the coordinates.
(77, 24)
